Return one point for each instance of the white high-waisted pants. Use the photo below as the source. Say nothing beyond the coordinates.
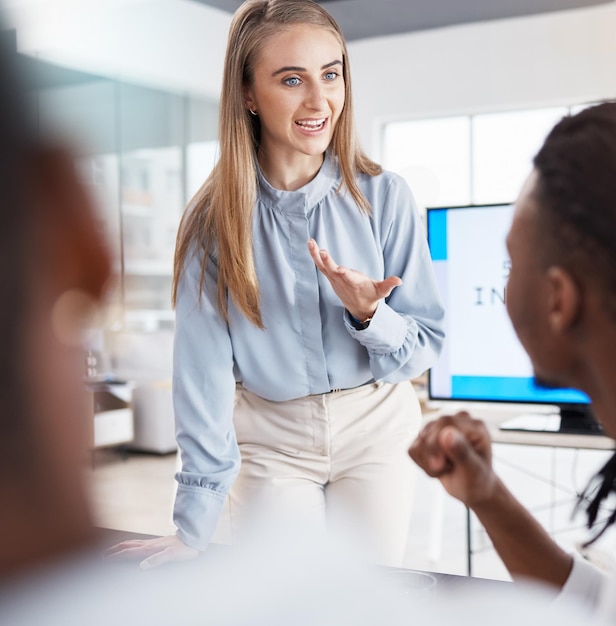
(337, 460)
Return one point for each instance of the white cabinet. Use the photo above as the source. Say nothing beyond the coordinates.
(112, 428)
(154, 423)
(113, 413)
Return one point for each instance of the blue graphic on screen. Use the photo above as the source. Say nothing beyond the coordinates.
(437, 234)
(482, 358)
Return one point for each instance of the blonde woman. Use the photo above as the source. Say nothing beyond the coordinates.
(305, 301)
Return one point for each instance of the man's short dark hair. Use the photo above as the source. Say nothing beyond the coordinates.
(576, 194)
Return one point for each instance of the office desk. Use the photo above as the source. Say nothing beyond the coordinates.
(445, 583)
(494, 415)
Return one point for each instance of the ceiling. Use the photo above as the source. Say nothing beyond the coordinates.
(375, 18)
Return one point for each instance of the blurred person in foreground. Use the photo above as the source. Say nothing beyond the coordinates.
(54, 268)
(561, 298)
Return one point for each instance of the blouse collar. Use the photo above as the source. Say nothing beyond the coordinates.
(301, 200)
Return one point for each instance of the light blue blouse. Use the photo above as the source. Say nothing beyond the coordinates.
(308, 345)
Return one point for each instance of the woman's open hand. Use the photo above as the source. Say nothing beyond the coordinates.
(156, 551)
(358, 293)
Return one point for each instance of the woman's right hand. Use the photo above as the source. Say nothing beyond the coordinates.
(156, 551)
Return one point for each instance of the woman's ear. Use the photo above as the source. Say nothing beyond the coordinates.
(68, 231)
(249, 99)
(564, 299)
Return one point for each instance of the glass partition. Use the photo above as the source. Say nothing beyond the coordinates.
(142, 153)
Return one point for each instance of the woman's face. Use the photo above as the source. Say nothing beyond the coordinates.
(298, 91)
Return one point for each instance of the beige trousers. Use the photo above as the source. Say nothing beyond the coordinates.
(337, 461)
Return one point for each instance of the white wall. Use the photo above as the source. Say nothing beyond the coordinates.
(558, 58)
(177, 45)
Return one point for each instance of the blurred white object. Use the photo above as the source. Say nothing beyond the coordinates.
(113, 413)
(154, 423)
(146, 358)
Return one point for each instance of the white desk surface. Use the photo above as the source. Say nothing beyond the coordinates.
(494, 414)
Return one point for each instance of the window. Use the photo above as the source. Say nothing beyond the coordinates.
(504, 145)
(433, 156)
(478, 159)
(142, 153)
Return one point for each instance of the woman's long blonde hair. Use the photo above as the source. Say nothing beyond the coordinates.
(219, 217)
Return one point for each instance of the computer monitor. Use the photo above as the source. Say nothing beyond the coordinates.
(482, 358)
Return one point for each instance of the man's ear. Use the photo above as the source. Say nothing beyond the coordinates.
(70, 235)
(564, 299)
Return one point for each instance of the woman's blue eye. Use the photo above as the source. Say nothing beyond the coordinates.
(331, 75)
(292, 82)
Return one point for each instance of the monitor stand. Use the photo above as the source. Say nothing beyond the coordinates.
(578, 419)
(568, 419)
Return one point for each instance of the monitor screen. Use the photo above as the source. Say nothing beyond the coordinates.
(482, 358)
